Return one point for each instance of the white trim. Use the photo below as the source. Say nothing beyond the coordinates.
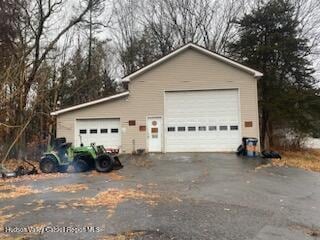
(164, 121)
(199, 89)
(255, 73)
(257, 117)
(89, 103)
(240, 114)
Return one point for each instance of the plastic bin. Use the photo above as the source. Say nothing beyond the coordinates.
(250, 146)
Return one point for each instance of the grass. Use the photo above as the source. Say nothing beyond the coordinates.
(308, 159)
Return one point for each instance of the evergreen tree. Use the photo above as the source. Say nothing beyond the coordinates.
(269, 42)
(78, 88)
(143, 49)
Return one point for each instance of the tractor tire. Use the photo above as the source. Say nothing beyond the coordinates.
(63, 168)
(48, 165)
(240, 150)
(117, 164)
(80, 164)
(104, 163)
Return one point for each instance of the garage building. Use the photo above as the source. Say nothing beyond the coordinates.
(192, 100)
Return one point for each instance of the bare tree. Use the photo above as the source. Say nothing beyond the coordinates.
(34, 41)
(208, 23)
(127, 30)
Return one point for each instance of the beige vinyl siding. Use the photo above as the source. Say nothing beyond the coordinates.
(189, 70)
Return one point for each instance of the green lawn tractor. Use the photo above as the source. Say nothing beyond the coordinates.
(84, 158)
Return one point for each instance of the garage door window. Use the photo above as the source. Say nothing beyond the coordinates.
(83, 131)
(181, 129)
(223, 128)
(191, 129)
(234, 128)
(202, 128)
(171, 129)
(212, 128)
(103, 130)
(114, 130)
(93, 131)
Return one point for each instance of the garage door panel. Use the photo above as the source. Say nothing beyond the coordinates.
(208, 110)
(104, 132)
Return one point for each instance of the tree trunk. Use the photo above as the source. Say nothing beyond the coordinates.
(264, 129)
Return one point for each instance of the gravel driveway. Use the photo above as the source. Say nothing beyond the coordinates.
(167, 196)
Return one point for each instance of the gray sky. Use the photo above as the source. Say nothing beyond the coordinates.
(71, 7)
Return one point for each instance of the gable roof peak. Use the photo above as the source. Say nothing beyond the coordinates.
(199, 48)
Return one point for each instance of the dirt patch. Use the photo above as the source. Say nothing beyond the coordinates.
(69, 188)
(113, 197)
(306, 159)
(12, 191)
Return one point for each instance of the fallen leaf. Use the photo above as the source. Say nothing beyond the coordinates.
(12, 191)
(70, 188)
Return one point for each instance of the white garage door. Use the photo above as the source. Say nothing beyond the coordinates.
(202, 121)
(104, 132)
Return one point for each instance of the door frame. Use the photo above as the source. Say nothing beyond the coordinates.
(147, 131)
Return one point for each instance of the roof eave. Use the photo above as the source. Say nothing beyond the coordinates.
(258, 75)
(79, 106)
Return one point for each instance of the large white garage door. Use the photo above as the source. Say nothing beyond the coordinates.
(104, 132)
(202, 121)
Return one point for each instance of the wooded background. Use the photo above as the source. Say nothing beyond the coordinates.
(58, 53)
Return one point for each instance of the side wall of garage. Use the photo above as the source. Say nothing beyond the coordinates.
(189, 70)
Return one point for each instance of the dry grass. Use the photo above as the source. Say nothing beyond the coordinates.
(113, 197)
(308, 159)
(12, 164)
(5, 217)
(43, 176)
(12, 191)
(8, 237)
(124, 236)
(40, 176)
(111, 175)
(62, 205)
(69, 188)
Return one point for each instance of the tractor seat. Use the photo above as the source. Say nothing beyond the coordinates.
(62, 150)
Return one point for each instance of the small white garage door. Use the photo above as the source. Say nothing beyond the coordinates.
(104, 132)
(202, 121)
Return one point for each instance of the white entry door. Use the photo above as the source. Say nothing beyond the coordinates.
(154, 134)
